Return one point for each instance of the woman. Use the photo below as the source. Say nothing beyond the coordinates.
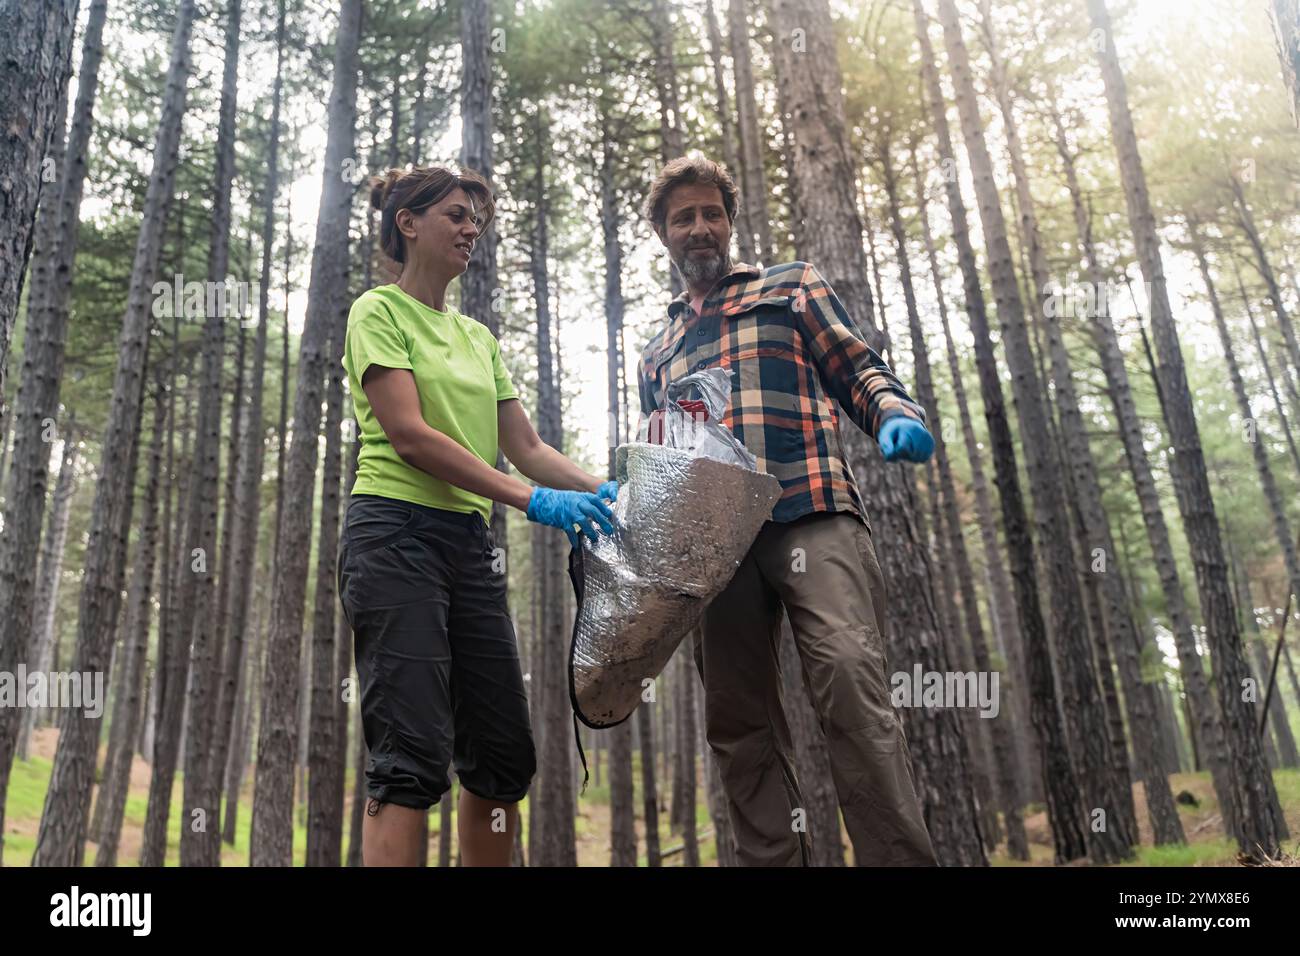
(419, 577)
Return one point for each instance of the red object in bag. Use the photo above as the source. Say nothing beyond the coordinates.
(696, 409)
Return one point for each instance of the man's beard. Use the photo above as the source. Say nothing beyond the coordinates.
(700, 272)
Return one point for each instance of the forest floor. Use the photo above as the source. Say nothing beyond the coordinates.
(1203, 824)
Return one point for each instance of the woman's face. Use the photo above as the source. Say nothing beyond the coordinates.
(442, 236)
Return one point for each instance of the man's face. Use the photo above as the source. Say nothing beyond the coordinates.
(697, 233)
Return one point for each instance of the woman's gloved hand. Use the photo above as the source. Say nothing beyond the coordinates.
(608, 490)
(565, 509)
(905, 438)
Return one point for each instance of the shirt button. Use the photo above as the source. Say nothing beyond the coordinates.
(700, 332)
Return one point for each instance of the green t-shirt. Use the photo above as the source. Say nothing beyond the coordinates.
(459, 374)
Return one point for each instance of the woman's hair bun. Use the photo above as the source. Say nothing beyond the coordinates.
(381, 186)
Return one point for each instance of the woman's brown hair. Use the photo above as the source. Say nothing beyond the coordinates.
(417, 189)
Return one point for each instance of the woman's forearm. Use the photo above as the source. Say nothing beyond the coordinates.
(434, 453)
(546, 466)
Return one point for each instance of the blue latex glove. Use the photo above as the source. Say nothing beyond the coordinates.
(608, 490)
(565, 509)
(905, 439)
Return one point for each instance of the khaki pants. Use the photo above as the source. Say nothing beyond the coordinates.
(822, 568)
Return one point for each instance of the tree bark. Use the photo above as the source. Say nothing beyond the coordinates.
(201, 834)
(37, 403)
(1204, 720)
(479, 285)
(246, 517)
(1260, 825)
(36, 48)
(272, 837)
(1061, 788)
(111, 803)
(1005, 763)
(50, 579)
(61, 838)
(752, 181)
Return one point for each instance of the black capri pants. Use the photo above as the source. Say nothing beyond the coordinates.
(435, 652)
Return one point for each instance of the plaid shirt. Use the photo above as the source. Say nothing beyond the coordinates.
(791, 348)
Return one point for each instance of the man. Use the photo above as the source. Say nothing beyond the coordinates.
(792, 353)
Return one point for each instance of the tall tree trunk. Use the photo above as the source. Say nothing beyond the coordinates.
(1061, 788)
(479, 284)
(686, 764)
(1265, 268)
(1259, 450)
(246, 516)
(1260, 825)
(61, 838)
(621, 797)
(47, 310)
(272, 837)
(36, 48)
(53, 544)
(1005, 762)
(1204, 720)
(1108, 837)
(1286, 31)
(824, 188)
(752, 178)
(111, 804)
(742, 227)
(1267, 366)
(1002, 609)
(1119, 635)
(328, 744)
(557, 803)
(201, 832)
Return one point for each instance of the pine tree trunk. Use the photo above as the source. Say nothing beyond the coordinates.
(1286, 31)
(621, 796)
(328, 732)
(479, 285)
(1088, 740)
(1265, 268)
(111, 803)
(60, 840)
(1259, 450)
(36, 42)
(742, 228)
(824, 191)
(201, 834)
(246, 515)
(1206, 726)
(1264, 362)
(686, 764)
(1061, 789)
(37, 402)
(53, 544)
(272, 837)
(1008, 771)
(554, 790)
(1260, 825)
(751, 176)
(649, 787)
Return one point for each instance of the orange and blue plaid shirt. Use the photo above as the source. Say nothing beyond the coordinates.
(790, 348)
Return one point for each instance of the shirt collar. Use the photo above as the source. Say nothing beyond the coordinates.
(738, 270)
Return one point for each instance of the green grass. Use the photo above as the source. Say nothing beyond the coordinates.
(30, 779)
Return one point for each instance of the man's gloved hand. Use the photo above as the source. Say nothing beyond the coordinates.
(906, 439)
(608, 490)
(565, 509)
